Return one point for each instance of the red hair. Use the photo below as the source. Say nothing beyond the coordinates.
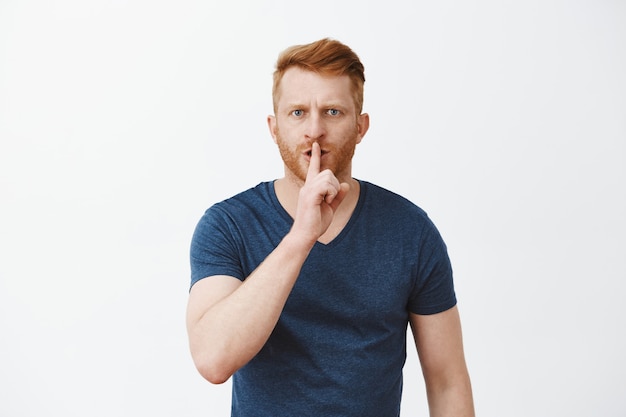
(325, 57)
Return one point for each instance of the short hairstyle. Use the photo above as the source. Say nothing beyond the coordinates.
(325, 57)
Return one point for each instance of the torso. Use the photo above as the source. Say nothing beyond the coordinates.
(339, 345)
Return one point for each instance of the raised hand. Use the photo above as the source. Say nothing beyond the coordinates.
(319, 198)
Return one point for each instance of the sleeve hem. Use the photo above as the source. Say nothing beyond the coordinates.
(439, 308)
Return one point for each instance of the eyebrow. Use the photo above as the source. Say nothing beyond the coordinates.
(333, 105)
(294, 105)
(329, 105)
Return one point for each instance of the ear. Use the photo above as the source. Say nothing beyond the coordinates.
(362, 125)
(271, 124)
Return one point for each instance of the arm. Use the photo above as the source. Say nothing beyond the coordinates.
(229, 321)
(439, 345)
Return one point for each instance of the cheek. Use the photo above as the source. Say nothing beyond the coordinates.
(284, 132)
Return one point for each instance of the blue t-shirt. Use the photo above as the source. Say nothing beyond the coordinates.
(340, 343)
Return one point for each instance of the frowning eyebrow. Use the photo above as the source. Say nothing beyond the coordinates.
(324, 106)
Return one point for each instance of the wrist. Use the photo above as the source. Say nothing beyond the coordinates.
(299, 242)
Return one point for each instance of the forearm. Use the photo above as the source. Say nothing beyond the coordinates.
(233, 330)
(451, 400)
(439, 343)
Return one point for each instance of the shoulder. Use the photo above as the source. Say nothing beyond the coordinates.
(391, 211)
(235, 210)
(259, 194)
(379, 198)
(255, 198)
(247, 214)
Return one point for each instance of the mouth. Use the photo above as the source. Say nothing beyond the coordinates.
(309, 152)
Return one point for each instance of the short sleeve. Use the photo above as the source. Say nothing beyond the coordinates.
(433, 291)
(214, 247)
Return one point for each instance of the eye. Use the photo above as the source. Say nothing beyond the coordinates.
(333, 112)
(297, 112)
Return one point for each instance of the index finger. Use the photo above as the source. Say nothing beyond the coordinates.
(314, 162)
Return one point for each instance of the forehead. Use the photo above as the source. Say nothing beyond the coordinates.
(302, 86)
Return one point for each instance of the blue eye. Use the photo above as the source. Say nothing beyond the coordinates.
(297, 113)
(333, 112)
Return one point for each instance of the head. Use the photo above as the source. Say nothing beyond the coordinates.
(318, 97)
(325, 57)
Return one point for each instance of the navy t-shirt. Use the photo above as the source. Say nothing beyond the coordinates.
(340, 344)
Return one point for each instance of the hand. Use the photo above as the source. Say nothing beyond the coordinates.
(319, 198)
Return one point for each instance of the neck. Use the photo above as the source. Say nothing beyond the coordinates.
(288, 189)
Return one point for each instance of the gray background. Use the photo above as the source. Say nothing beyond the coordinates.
(122, 121)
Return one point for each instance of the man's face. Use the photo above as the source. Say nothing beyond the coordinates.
(314, 108)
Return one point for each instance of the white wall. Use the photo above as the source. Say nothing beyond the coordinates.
(121, 121)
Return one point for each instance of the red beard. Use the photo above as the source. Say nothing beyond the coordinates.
(337, 159)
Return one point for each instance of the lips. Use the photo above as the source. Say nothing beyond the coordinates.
(308, 153)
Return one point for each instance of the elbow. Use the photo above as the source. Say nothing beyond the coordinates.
(217, 362)
(214, 376)
(214, 370)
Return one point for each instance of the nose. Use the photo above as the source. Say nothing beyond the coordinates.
(315, 129)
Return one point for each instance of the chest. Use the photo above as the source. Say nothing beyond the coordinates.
(356, 285)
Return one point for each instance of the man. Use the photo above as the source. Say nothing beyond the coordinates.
(303, 288)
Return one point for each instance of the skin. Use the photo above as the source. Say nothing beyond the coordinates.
(316, 128)
(317, 111)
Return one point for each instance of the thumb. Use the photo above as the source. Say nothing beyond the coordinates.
(344, 187)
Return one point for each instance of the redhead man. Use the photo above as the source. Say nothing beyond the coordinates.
(302, 288)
